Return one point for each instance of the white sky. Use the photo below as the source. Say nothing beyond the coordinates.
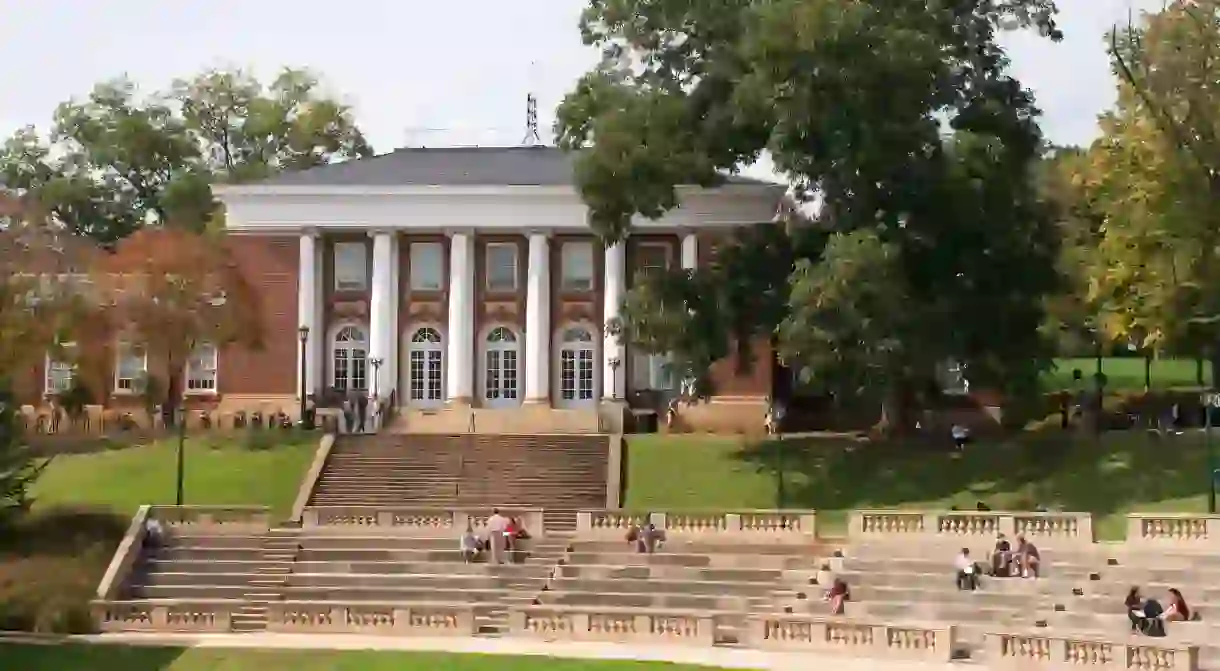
(421, 72)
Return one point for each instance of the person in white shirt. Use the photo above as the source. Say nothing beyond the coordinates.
(967, 571)
(497, 524)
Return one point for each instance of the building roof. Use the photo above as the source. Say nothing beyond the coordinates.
(450, 166)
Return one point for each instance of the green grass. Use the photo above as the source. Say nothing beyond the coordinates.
(1124, 472)
(1127, 373)
(140, 658)
(218, 472)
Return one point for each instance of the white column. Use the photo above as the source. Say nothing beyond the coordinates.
(613, 376)
(389, 378)
(307, 314)
(690, 251)
(379, 308)
(319, 351)
(460, 383)
(538, 320)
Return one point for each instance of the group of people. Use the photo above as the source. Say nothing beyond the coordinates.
(646, 537)
(1148, 616)
(503, 536)
(1006, 562)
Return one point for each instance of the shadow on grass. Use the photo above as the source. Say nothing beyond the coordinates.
(88, 657)
(1116, 473)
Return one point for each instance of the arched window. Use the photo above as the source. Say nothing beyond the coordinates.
(500, 373)
(576, 372)
(350, 359)
(425, 376)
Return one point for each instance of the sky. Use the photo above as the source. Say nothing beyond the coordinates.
(423, 72)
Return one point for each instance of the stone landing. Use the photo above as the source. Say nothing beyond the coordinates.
(526, 419)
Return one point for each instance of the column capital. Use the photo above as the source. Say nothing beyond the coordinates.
(374, 232)
(311, 232)
(539, 233)
(459, 231)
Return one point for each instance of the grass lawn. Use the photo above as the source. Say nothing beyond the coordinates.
(1124, 472)
(219, 471)
(1127, 373)
(140, 658)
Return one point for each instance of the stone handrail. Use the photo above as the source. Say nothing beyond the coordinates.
(1181, 531)
(414, 521)
(797, 526)
(966, 525)
(930, 643)
(310, 481)
(190, 615)
(1054, 652)
(396, 619)
(619, 625)
(125, 557)
(213, 519)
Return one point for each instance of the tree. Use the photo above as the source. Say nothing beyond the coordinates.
(118, 160)
(166, 291)
(900, 120)
(1156, 176)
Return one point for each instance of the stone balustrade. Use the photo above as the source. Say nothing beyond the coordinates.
(781, 526)
(614, 625)
(1045, 650)
(194, 615)
(391, 619)
(1050, 529)
(1180, 531)
(929, 643)
(214, 519)
(125, 557)
(429, 522)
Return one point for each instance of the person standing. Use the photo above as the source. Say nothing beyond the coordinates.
(497, 524)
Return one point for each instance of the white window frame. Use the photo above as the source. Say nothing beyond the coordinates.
(425, 250)
(487, 269)
(347, 281)
(48, 386)
(121, 351)
(206, 375)
(576, 261)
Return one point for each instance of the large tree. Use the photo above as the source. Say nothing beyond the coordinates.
(900, 118)
(1154, 177)
(117, 159)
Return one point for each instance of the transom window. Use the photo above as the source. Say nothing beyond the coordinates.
(427, 266)
(351, 266)
(132, 365)
(501, 266)
(576, 261)
(201, 369)
(350, 359)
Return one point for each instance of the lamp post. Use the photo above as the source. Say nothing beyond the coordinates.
(215, 301)
(303, 333)
(1211, 400)
(178, 499)
(614, 362)
(376, 362)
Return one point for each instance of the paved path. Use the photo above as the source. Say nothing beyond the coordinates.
(731, 658)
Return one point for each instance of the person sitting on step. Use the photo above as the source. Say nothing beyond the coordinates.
(1028, 559)
(154, 534)
(838, 595)
(1001, 558)
(470, 545)
(1178, 610)
(967, 571)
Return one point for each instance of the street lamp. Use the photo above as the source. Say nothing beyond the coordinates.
(1211, 400)
(615, 362)
(303, 333)
(376, 363)
(216, 301)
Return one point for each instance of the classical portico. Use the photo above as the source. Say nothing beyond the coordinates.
(468, 278)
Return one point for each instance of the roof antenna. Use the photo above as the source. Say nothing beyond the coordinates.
(531, 138)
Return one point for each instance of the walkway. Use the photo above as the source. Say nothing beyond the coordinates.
(731, 658)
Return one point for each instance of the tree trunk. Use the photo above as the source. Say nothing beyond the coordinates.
(1147, 373)
(1199, 378)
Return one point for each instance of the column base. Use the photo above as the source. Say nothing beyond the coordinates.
(537, 401)
(459, 402)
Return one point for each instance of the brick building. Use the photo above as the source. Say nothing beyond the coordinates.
(465, 282)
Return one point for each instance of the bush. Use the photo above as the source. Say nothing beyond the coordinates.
(50, 566)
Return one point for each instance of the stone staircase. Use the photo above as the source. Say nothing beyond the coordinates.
(279, 551)
(560, 473)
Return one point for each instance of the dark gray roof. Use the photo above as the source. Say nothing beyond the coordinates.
(449, 166)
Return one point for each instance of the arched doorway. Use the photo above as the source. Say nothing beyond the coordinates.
(575, 375)
(349, 369)
(425, 368)
(501, 354)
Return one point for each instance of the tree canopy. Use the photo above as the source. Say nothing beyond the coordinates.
(901, 119)
(118, 159)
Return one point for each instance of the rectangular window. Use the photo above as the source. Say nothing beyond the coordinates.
(576, 259)
(351, 266)
(427, 266)
(201, 370)
(502, 266)
(130, 369)
(652, 256)
(59, 374)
